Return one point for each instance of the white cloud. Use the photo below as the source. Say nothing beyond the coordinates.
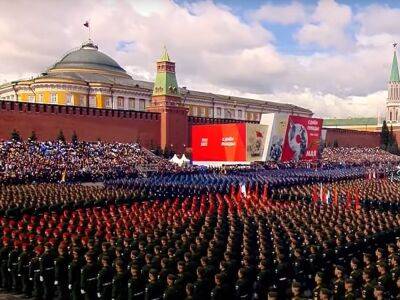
(214, 49)
(281, 14)
(327, 27)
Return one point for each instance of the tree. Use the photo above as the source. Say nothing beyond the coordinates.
(15, 136)
(33, 136)
(385, 135)
(392, 142)
(61, 137)
(74, 138)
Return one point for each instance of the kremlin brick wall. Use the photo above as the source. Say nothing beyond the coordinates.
(352, 138)
(90, 124)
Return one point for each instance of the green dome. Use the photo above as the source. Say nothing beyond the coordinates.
(88, 57)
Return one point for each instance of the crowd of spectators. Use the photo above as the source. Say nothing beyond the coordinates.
(358, 156)
(31, 161)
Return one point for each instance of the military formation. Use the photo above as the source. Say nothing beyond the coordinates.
(231, 246)
(265, 231)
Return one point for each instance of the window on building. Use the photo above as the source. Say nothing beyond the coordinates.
(240, 114)
(92, 101)
(390, 116)
(120, 102)
(53, 98)
(132, 103)
(218, 111)
(210, 112)
(108, 102)
(40, 98)
(69, 99)
(255, 116)
(82, 101)
(31, 98)
(142, 104)
(228, 114)
(194, 110)
(203, 111)
(250, 116)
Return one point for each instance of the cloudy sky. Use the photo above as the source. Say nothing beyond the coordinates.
(330, 56)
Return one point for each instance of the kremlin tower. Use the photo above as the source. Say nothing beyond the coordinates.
(166, 100)
(393, 100)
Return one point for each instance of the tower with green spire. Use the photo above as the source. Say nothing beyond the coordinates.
(393, 100)
(166, 100)
(394, 74)
(165, 83)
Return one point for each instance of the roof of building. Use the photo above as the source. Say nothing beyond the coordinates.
(350, 122)
(88, 65)
(164, 56)
(394, 74)
(88, 56)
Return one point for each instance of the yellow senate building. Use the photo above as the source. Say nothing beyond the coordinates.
(88, 77)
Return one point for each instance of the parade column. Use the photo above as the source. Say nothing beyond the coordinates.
(167, 101)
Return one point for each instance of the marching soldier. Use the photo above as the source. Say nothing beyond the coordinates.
(89, 278)
(136, 285)
(74, 275)
(104, 280)
(23, 270)
(61, 273)
(47, 272)
(120, 282)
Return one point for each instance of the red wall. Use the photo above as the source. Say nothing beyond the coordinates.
(352, 138)
(89, 124)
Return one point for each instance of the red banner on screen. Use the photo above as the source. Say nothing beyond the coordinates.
(302, 139)
(222, 142)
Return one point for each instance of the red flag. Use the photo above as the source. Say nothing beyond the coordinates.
(86, 24)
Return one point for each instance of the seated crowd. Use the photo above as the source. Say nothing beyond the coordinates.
(358, 156)
(30, 161)
(208, 247)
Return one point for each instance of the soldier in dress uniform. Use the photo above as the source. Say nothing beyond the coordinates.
(104, 279)
(368, 285)
(13, 267)
(242, 286)
(136, 284)
(338, 283)
(171, 292)
(74, 275)
(5, 274)
(385, 279)
(350, 292)
(201, 285)
(319, 284)
(296, 291)
(35, 273)
(61, 273)
(153, 288)
(47, 272)
(120, 282)
(24, 260)
(89, 274)
(356, 272)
